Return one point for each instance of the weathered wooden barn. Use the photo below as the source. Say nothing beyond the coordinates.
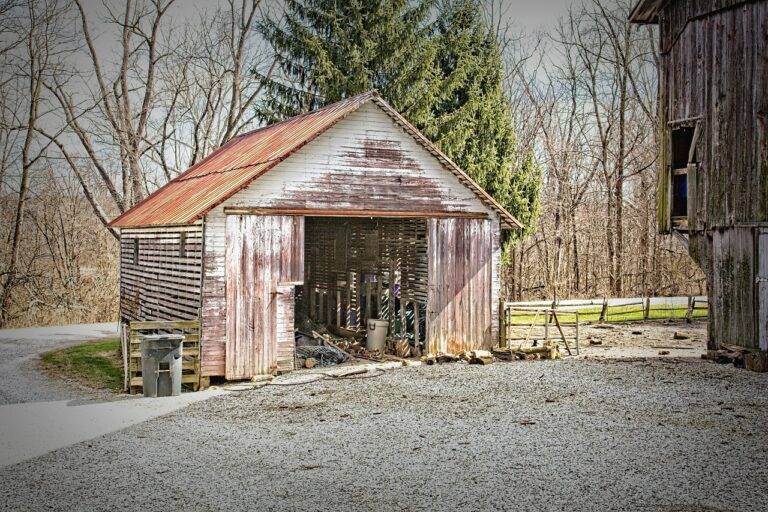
(713, 188)
(343, 214)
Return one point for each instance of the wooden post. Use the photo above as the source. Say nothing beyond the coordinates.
(502, 324)
(546, 326)
(604, 310)
(358, 307)
(416, 333)
(330, 307)
(321, 310)
(312, 300)
(379, 286)
(577, 333)
(647, 312)
(349, 300)
(368, 308)
(689, 312)
(338, 308)
(403, 318)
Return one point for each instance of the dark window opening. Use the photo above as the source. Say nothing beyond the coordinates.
(682, 138)
(182, 245)
(135, 251)
(681, 141)
(680, 195)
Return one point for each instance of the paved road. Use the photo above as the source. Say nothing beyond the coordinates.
(39, 415)
(20, 349)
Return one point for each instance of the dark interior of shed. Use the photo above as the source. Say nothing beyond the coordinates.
(356, 269)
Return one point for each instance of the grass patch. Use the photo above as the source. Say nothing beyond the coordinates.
(95, 364)
(615, 314)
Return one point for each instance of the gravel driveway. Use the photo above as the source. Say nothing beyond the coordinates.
(20, 349)
(578, 434)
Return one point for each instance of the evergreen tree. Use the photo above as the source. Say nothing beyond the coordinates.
(470, 118)
(445, 77)
(330, 49)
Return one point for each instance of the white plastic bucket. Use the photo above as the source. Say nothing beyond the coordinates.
(376, 338)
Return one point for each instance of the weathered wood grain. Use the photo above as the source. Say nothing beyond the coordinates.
(165, 283)
(460, 296)
(260, 254)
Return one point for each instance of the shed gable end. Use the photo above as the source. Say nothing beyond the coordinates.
(364, 162)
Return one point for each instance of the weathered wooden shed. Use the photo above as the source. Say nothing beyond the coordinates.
(343, 214)
(713, 188)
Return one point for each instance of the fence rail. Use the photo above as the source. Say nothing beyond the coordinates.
(523, 322)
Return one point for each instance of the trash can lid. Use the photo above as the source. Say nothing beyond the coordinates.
(159, 337)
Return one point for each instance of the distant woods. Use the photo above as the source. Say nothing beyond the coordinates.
(102, 104)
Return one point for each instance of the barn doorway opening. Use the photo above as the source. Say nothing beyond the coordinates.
(356, 269)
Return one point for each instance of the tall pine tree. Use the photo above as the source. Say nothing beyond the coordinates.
(470, 118)
(329, 49)
(444, 76)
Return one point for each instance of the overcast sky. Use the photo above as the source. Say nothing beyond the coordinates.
(530, 14)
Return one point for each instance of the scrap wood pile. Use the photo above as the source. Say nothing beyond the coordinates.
(524, 353)
(468, 356)
(321, 345)
(740, 357)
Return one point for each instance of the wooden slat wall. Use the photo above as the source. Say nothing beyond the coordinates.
(163, 285)
(461, 281)
(261, 254)
(338, 248)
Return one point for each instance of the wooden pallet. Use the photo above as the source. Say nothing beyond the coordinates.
(133, 332)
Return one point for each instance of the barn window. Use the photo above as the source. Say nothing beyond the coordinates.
(182, 245)
(683, 142)
(135, 251)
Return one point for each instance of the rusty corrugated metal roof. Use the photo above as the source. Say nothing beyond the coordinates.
(232, 167)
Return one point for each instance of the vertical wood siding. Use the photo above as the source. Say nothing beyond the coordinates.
(733, 291)
(459, 303)
(714, 67)
(164, 284)
(762, 289)
(260, 255)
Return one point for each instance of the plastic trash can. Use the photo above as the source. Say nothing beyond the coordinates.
(376, 338)
(161, 364)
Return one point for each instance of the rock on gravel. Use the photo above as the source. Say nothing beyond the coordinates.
(671, 434)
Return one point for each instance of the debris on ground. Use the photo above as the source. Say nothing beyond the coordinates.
(740, 357)
(680, 336)
(663, 352)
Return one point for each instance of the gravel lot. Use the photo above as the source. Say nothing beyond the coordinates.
(676, 434)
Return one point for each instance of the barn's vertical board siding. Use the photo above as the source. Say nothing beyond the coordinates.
(714, 67)
(260, 253)
(165, 283)
(762, 289)
(460, 290)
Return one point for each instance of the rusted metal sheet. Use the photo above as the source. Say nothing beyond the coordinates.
(459, 300)
(260, 256)
(235, 165)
